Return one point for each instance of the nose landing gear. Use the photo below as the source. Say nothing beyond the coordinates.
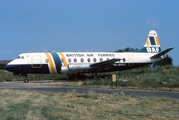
(22, 74)
(26, 80)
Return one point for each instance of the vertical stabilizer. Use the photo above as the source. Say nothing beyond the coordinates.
(152, 39)
(152, 44)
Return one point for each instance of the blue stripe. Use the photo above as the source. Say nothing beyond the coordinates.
(26, 69)
(57, 61)
(152, 40)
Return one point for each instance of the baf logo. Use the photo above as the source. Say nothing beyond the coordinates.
(152, 49)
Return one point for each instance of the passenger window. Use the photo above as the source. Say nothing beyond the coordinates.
(82, 60)
(75, 60)
(46, 60)
(62, 60)
(88, 59)
(69, 60)
(101, 59)
(124, 60)
(94, 60)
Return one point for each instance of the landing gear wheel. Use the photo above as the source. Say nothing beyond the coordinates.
(26, 81)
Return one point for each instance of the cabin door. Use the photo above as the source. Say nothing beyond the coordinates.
(130, 60)
(36, 61)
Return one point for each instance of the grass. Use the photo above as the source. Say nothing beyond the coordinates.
(34, 105)
(8, 76)
(163, 78)
(166, 76)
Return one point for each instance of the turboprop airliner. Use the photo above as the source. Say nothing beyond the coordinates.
(87, 62)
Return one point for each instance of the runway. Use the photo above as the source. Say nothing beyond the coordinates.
(47, 88)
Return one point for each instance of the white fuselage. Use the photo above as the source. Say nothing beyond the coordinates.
(87, 62)
(78, 62)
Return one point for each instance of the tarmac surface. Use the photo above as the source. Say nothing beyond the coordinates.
(47, 88)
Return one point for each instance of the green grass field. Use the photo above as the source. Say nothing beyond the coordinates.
(34, 105)
(166, 76)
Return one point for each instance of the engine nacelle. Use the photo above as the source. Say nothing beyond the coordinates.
(76, 68)
(64, 69)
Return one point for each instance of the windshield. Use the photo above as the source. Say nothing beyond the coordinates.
(20, 57)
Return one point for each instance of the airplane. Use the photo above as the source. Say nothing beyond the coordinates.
(87, 62)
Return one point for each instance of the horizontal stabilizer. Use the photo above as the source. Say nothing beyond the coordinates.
(105, 63)
(161, 53)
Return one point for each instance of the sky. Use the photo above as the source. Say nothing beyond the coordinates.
(86, 25)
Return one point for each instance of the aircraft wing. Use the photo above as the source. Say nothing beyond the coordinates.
(105, 63)
(158, 55)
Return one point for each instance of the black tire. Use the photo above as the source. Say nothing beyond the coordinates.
(26, 81)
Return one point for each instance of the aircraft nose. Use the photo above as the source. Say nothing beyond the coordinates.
(8, 67)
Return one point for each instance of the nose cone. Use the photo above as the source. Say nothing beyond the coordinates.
(8, 67)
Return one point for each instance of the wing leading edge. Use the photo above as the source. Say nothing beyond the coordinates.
(105, 63)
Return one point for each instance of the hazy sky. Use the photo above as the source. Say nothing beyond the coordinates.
(86, 25)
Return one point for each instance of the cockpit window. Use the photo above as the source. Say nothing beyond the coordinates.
(20, 57)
